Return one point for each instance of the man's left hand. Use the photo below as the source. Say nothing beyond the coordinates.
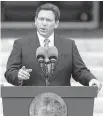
(94, 82)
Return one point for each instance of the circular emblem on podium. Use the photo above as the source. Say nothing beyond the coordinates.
(48, 104)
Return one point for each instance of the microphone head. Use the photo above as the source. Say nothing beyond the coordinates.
(52, 53)
(40, 53)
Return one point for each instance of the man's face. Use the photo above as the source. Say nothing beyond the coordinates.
(45, 23)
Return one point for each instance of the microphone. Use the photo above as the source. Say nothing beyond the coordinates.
(53, 56)
(40, 55)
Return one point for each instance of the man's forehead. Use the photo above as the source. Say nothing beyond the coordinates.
(46, 13)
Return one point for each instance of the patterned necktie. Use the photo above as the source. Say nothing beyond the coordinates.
(46, 43)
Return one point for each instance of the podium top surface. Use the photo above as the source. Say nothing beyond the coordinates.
(63, 91)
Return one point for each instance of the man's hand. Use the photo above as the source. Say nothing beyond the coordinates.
(23, 73)
(94, 82)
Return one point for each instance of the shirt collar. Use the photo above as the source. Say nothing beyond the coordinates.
(41, 38)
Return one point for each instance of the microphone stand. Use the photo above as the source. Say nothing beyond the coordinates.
(20, 82)
(46, 73)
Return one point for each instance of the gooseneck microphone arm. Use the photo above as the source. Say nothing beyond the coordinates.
(48, 73)
(53, 61)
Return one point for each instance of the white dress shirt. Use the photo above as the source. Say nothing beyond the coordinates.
(41, 40)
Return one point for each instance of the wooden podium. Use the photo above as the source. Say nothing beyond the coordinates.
(79, 100)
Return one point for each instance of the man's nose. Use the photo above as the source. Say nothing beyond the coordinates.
(44, 22)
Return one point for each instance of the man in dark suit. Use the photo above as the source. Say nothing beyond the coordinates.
(22, 65)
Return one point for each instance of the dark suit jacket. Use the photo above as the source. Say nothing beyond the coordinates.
(69, 63)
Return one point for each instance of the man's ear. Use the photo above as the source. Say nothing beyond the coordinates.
(56, 23)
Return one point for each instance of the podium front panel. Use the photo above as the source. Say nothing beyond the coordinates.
(77, 104)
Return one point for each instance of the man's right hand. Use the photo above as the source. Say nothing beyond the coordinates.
(23, 73)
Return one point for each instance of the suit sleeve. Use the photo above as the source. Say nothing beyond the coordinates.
(14, 64)
(79, 71)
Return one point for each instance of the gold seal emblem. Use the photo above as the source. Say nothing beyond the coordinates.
(48, 104)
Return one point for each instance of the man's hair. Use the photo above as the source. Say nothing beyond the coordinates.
(51, 7)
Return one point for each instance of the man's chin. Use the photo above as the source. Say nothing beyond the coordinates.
(43, 34)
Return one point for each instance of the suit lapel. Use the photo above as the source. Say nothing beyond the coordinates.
(58, 45)
(34, 44)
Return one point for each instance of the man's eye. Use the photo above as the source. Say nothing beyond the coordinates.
(49, 20)
(41, 19)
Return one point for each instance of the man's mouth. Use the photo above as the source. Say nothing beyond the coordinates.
(43, 29)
